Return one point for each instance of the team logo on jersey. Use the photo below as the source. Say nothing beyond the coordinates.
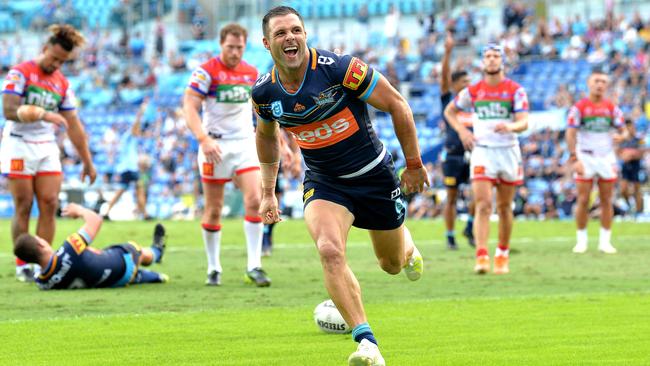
(276, 109)
(479, 170)
(324, 98)
(493, 109)
(395, 193)
(208, 169)
(355, 75)
(263, 78)
(308, 195)
(17, 165)
(324, 60)
(298, 107)
(77, 243)
(42, 98)
(326, 132)
(233, 93)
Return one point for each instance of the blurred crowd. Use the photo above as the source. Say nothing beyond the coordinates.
(119, 70)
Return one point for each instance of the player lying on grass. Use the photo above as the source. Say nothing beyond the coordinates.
(78, 265)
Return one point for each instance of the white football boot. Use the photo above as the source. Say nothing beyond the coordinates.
(607, 248)
(367, 354)
(580, 248)
(415, 265)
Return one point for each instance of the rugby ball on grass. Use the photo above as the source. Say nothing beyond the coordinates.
(329, 320)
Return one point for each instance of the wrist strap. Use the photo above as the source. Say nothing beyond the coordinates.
(414, 163)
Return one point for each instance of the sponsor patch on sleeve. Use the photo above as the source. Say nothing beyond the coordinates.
(76, 241)
(308, 195)
(355, 75)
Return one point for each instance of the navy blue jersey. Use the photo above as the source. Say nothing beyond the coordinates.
(632, 142)
(327, 115)
(453, 144)
(76, 265)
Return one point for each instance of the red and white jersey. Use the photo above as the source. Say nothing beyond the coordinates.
(594, 122)
(227, 107)
(493, 105)
(50, 91)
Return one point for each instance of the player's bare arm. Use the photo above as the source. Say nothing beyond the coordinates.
(571, 139)
(267, 138)
(445, 78)
(25, 113)
(92, 221)
(79, 139)
(192, 104)
(466, 136)
(519, 125)
(388, 99)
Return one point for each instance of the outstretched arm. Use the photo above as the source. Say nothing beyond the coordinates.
(445, 77)
(388, 99)
(92, 221)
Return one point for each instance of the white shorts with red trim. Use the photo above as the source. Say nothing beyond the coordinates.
(499, 165)
(238, 156)
(599, 167)
(21, 158)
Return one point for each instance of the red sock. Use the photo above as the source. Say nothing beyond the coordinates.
(504, 247)
(20, 262)
(481, 252)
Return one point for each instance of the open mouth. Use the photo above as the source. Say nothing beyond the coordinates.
(291, 51)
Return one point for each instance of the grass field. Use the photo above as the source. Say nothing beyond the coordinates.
(555, 308)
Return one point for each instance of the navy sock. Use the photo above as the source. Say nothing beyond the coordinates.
(363, 331)
(145, 276)
(157, 254)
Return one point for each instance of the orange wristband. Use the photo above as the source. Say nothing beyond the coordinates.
(413, 163)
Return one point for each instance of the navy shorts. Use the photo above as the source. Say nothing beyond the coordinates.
(128, 177)
(131, 253)
(455, 170)
(631, 171)
(375, 199)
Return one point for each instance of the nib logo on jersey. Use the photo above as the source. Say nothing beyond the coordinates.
(42, 98)
(493, 109)
(233, 93)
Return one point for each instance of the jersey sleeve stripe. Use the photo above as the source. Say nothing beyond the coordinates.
(67, 109)
(11, 92)
(373, 83)
(84, 234)
(273, 75)
(197, 90)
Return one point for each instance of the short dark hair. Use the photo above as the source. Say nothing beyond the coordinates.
(457, 75)
(277, 12)
(598, 71)
(66, 36)
(26, 248)
(234, 29)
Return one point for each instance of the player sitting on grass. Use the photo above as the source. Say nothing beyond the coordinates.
(78, 265)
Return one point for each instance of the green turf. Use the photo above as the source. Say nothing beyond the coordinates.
(555, 308)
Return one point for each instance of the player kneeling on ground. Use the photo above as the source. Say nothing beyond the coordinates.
(78, 265)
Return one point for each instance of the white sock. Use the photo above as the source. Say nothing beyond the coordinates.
(254, 232)
(212, 241)
(581, 236)
(502, 253)
(605, 236)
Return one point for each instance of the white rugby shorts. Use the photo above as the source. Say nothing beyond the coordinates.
(238, 156)
(597, 167)
(22, 158)
(499, 165)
